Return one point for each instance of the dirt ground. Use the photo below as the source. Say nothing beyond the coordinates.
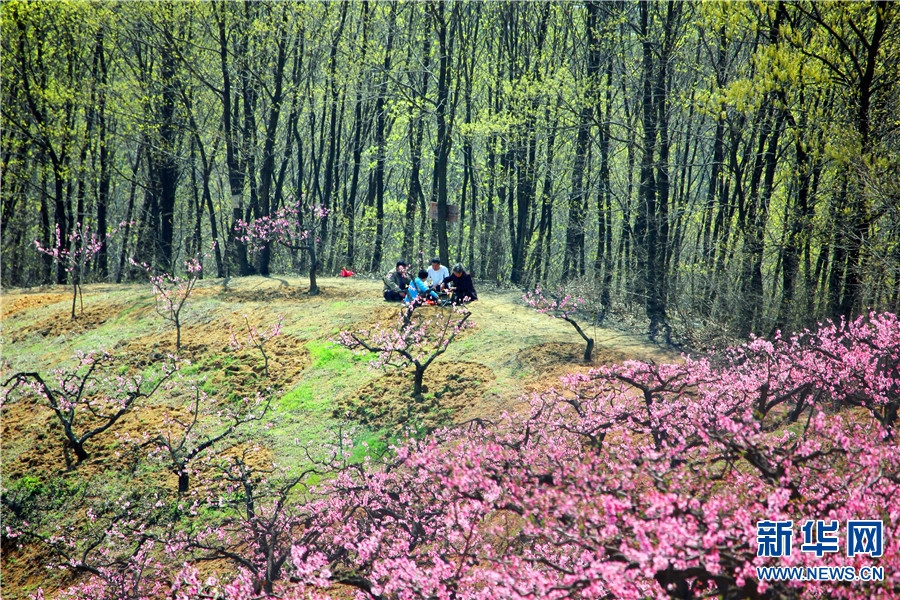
(511, 351)
(448, 395)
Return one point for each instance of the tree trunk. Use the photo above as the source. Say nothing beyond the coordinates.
(329, 186)
(445, 34)
(574, 257)
(418, 377)
(103, 187)
(267, 168)
(234, 159)
(166, 163)
(381, 144)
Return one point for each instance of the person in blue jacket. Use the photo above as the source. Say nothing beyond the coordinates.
(419, 288)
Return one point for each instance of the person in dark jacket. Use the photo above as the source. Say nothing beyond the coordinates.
(395, 283)
(460, 285)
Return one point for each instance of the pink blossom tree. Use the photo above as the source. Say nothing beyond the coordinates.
(254, 521)
(633, 481)
(563, 308)
(261, 531)
(110, 550)
(293, 226)
(257, 339)
(172, 292)
(406, 341)
(182, 440)
(642, 480)
(88, 399)
(75, 256)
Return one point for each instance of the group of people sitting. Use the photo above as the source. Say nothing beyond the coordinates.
(428, 284)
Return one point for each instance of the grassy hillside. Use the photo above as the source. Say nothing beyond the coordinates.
(316, 387)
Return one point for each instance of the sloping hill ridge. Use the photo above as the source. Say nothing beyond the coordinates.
(511, 352)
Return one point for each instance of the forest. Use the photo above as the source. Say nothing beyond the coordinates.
(733, 162)
(683, 221)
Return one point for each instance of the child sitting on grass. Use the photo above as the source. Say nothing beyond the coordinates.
(417, 290)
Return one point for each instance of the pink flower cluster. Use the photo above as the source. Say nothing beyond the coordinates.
(83, 244)
(553, 307)
(284, 226)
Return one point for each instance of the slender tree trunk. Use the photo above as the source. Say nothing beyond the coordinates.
(267, 166)
(414, 195)
(350, 204)
(445, 33)
(603, 262)
(167, 164)
(381, 143)
(329, 186)
(103, 185)
(233, 155)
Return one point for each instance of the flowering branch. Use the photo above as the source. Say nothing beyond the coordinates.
(564, 309)
(110, 546)
(172, 292)
(293, 226)
(82, 247)
(260, 531)
(183, 440)
(91, 391)
(256, 339)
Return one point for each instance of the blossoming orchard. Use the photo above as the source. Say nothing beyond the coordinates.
(450, 300)
(633, 481)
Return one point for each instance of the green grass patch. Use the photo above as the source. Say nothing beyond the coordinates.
(372, 446)
(334, 358)
(304, 398)
(137, 308)
(376, 444)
